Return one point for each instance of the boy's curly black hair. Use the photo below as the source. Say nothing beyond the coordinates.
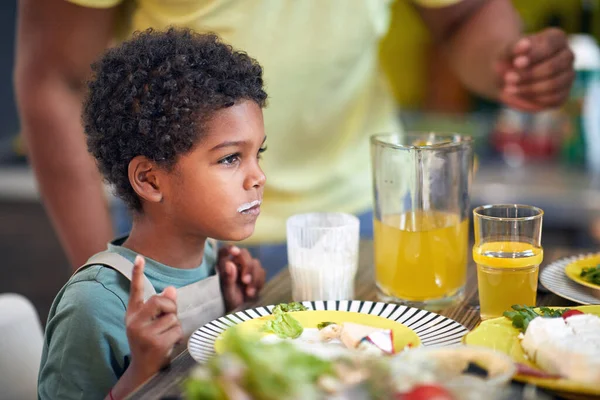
(151, 95)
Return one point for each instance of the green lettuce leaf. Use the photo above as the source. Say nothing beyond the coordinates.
(265, 371)
(200, 389)
(284, 326)
(289, 307)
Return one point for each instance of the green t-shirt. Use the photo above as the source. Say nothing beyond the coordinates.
(85, 345)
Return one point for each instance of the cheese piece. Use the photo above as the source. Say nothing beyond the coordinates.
(583, 324)
(542, 332)
(569, 348)
(353, 333)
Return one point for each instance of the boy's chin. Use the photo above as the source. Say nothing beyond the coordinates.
(236, 236)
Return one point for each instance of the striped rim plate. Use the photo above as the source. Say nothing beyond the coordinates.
(554, 279)
(433, 329)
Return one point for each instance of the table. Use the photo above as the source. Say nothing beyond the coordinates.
(165, 384)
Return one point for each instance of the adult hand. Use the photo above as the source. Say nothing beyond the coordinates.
(537, 72)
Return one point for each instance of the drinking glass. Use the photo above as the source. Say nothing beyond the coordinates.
(508, 253)
(421, 187)
(322, 255)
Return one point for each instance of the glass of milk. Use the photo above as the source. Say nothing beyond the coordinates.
(322, 255)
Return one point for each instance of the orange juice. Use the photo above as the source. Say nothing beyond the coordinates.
(507, 274)
(421, 256)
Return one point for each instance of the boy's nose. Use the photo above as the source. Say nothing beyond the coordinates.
(260, 180)
(255, 179)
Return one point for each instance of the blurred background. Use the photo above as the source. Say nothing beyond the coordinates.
(550, 159)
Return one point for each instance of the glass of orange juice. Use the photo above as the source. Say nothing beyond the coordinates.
(508, 254)
(421, 193)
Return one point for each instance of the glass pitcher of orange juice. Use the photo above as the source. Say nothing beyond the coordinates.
(421, 185)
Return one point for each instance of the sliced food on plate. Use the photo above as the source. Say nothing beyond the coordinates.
(254, 369)
(370, 327)
(555, 347)
(294, 353)
(591, 274)
(563, 343)
(327, 337)
(585, 271)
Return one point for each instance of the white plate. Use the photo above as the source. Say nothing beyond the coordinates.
(434, 330)
(554, 279)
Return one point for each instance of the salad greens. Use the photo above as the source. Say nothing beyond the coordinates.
(289, 307)
(322, 325)
(255, 369)
(284, 325)
(523, 315)
(249, 368)
(591, 274)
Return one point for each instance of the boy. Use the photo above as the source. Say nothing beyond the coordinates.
(174, 121)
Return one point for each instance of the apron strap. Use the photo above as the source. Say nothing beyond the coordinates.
(197, 303)
(121, 265)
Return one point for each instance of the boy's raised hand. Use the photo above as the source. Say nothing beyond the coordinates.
(242, 276)
(153, 328)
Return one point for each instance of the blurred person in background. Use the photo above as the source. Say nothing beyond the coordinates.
(422, 81)
(321, 67)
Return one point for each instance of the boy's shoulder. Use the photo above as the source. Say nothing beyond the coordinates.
(99, 280)
(93, 299)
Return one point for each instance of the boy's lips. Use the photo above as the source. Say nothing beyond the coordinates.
(250, 208)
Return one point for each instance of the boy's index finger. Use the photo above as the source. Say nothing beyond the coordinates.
(136, 290)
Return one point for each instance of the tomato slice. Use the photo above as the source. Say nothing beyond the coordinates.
(426, 392)
(570, 313)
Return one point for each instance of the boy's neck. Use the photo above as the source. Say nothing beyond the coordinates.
(161, 244)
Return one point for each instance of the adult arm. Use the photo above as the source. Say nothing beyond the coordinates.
(56, 43)
(483, 42)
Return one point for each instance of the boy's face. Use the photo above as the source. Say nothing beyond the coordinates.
(216, 189)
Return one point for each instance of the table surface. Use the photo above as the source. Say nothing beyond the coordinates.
(166, 384)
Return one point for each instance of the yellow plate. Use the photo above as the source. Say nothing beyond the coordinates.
(403, 335)
(499, 334)
(573, 270)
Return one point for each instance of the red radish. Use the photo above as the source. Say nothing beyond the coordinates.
(425, 392)
(570, 313)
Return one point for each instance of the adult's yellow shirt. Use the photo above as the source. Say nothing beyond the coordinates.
(327, 94)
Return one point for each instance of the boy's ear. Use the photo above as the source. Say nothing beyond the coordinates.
(144, 178)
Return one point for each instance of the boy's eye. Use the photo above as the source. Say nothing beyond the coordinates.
(261, 150)
(231, 159)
